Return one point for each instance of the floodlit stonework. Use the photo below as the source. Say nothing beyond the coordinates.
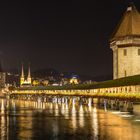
(23, 81)
(125, 43)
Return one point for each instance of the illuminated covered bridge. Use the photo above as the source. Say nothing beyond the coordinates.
(128, 87)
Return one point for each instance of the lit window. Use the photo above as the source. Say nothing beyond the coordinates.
(125, 52)
(138, 51)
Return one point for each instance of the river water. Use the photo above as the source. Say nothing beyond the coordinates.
(29, 120)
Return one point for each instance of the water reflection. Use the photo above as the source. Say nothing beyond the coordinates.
(73, 115)
(66, 111)
(95, 123)
(4, 121)
(29, 120)
(81, 116)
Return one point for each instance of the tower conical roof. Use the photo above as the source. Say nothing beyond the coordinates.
(129, 24)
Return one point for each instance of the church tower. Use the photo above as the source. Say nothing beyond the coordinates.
(25, 81)
(29, 80)
(125, 43)
(22, 76)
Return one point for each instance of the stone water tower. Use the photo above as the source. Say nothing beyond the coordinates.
(125, 43)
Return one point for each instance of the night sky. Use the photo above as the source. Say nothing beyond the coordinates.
(66, 35)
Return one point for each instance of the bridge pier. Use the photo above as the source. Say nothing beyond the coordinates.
(126, 106)
(130, 107)
(121, 106)
(117, 104)
(109, 103)
(114, 104)
(100, 102)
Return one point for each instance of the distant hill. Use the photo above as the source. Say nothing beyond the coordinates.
(45, 73)
(57, 74)
(103, 78)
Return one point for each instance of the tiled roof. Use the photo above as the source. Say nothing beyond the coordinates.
(129, 24)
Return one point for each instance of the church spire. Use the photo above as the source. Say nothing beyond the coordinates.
(29, 79)
(22, 75)
(29, 72)
(22, 71)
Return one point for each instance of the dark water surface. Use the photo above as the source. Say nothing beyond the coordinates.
(28, 120)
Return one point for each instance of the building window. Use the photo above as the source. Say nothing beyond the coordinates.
(125, 73)
(138, 51)
(125, 52)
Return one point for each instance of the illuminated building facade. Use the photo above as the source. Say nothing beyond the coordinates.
(125, 43)
(2, 77)
(74, 80)
(23, 81)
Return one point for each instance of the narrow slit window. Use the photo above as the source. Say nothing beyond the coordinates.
(138, 51)
(125, 74)
(125, 52)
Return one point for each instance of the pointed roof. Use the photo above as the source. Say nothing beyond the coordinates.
(22, 71)
(29, 72)
(129, 24)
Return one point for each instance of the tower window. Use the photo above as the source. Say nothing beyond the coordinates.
(125, 73)
(125, 52)
(138, 51)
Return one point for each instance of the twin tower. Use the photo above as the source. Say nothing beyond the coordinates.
(125, 43)
(25, 81)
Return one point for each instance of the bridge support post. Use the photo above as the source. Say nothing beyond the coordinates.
(121, 106)
(117, 105)
(108, 103)
(113, 104)
(130, 106)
